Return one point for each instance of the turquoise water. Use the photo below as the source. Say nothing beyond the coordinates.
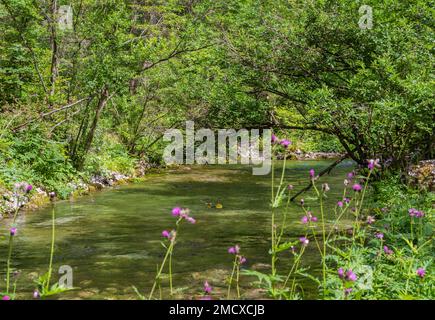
(112, 238)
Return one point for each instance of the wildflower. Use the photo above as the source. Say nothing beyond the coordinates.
(52, 195)
(191, 220)
(6, 298)
(207, 288)
(234, 250)
(350, 275)
(357, 187)
(347, 291)
(28, 188)
(13, 231)
(166, 234)
(415, 213)
(312, 173)
(346, 182)
(36, 294)
(304, 219)
(314, 219)
(379, 235)
(302, 202)
(387, 250)
(370, 220)
(274, 139)
(421, 272)
(347, 200)
(350, 175)
(242, 260)
(285, 143)
(325, 187)
(304, 240)
(340, 273)
(176, 211)
(290, 187)
(340, 204)
(373, 163)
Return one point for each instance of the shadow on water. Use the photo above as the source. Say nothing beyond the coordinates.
(111, 239)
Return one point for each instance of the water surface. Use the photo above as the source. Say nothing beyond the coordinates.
(112, 238)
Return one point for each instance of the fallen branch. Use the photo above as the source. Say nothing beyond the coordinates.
(43, 115)
(324, 171)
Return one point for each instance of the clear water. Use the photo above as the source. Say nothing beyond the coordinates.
(112, 238)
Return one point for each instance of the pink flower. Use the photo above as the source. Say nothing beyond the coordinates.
(340, 204)
(242, 260)
(350, 175)
(304, 241)
(387, 250)
(207, 288)
(36, 294)
(347, 291)
(6, 298)
(373, 163)
(379, 235)
(28, 188)
(166, 234)
(234, 250)
(340, 273)
(285, 143)
(176, 211)
(191, 220)
(312, 173)
(421, 272)
(350, 275)
(314, 219)
(13, 231)
(357, 187)
(274, 139)
(304, 219)
(370, 220)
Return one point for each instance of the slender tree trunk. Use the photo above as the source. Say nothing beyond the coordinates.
(104, 97)
(54, 48)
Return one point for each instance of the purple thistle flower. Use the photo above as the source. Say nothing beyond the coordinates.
(6, 298)
(387, 250)
(350, 175)
(234, 250)
(28, 188)
(274, 139)
(207, 288)
(285, 143)
(421, 272)
(347, 200)
(176, 211)
(312, 173)
(340, 272)
(242, 260)
(373, 163)
(357, 187)
(350, 275)
(304, 219)
(347, 291)
(379, 235)
(36, 294)
(13, 231)
(370, 220)
(304, 241)
(191, 220)
(314, 219)
(166, 234)
(340, 204)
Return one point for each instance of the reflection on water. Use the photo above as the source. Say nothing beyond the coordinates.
(111, 239)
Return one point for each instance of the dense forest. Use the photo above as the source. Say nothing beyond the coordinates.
(88, 89)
